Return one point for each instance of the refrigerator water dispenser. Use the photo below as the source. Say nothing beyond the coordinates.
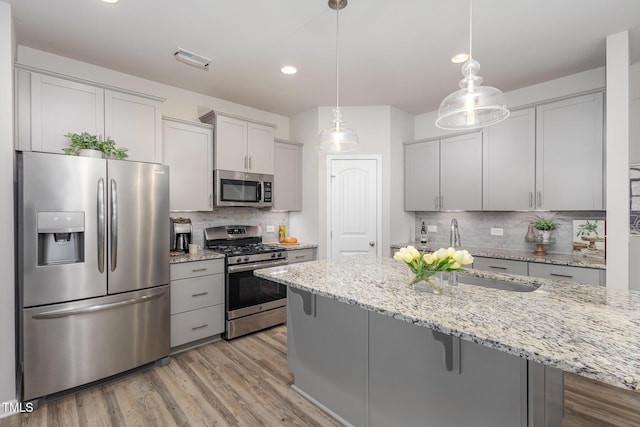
(60, 238)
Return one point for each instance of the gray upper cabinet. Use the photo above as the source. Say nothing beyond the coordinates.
(48, 107)
(549, 158)
(569, 154)
(422, 176)
(444, 174)
(188, 150)
(461, 172)
(288, 176)
(243, 146)
(509, 163)
(134, 122)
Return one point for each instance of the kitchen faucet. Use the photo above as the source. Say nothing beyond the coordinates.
(454, 236)
(454, 242)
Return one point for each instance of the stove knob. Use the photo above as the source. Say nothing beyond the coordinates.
(273, 255)
(280, 255)
(239, 260)
(246, 258)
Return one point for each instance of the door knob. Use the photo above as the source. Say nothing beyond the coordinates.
(372, 243)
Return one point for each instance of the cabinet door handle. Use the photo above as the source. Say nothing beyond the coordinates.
(249, 162)
(197, 270)
(435, 202)
(498, 267)
(566, 276)
(245, 162)
(199, 294)
(530, 199)
(204, 325)
(210, 201)
(299, 256)
(441, 202)
(539, 199)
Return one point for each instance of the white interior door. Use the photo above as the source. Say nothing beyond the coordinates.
(354, 206)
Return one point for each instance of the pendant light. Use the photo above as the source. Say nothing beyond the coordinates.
(337, 138)
(472, 106)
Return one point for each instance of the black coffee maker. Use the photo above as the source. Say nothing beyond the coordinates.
(180, 234)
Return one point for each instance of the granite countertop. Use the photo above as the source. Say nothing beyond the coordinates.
(293, 246)
(528, 256)
(588, 330)
(203, 255)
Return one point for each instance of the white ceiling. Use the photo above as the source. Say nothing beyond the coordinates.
(392, 52)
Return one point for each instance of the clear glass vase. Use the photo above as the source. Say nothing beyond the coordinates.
(431, 283)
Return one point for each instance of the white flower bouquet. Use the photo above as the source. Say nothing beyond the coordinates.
(425, 265)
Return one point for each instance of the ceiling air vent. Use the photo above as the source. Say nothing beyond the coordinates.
(192, 59)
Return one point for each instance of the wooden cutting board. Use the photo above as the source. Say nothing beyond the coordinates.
(283, 244)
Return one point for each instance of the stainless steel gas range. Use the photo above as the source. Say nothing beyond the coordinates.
(252, 303)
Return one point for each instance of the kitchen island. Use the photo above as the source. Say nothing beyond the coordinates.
(385, 335)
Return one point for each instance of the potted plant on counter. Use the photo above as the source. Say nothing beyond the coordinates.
(588, 231)
(87, 145)
(545, 226)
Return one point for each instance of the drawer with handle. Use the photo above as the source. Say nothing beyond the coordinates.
(500, 265)
(197, 324)
(589, 276)
(184, 270)
(196, 292)
(301, 255)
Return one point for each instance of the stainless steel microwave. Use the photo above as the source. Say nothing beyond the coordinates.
(232, 188)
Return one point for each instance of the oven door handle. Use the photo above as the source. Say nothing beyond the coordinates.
(255, 266)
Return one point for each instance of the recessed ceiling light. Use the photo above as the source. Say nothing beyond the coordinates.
(459, 58)
(110, 1)
(289, 69)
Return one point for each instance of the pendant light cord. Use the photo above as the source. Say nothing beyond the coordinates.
(337, 56)
(470, 29)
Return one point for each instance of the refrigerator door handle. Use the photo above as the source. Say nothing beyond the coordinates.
(114, 225)
(101, 225)
(55, 314)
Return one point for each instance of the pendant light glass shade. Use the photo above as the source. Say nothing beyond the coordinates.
(473, 106)
(337, 138)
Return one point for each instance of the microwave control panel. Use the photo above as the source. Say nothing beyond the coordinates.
(267, 192)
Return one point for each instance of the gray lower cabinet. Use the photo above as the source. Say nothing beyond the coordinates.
(498, 265)
(197, 302)
(301, 255)
(591, 276)
(327, 353)
(567, 273)
(421, 378)
(374, 370)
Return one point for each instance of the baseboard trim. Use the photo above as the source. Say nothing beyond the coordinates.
(321, 406)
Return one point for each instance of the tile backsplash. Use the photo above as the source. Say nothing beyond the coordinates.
(475, 228)
(235, 216)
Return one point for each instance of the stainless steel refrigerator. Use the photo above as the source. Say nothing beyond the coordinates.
(93, 269)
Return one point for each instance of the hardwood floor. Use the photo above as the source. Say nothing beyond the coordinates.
(244, 382)
(590, 403)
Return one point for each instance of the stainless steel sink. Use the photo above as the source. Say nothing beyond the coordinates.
(497, 284)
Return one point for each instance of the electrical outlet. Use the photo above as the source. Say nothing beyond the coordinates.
(497, 231)
(432, 228)
(271, 228)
